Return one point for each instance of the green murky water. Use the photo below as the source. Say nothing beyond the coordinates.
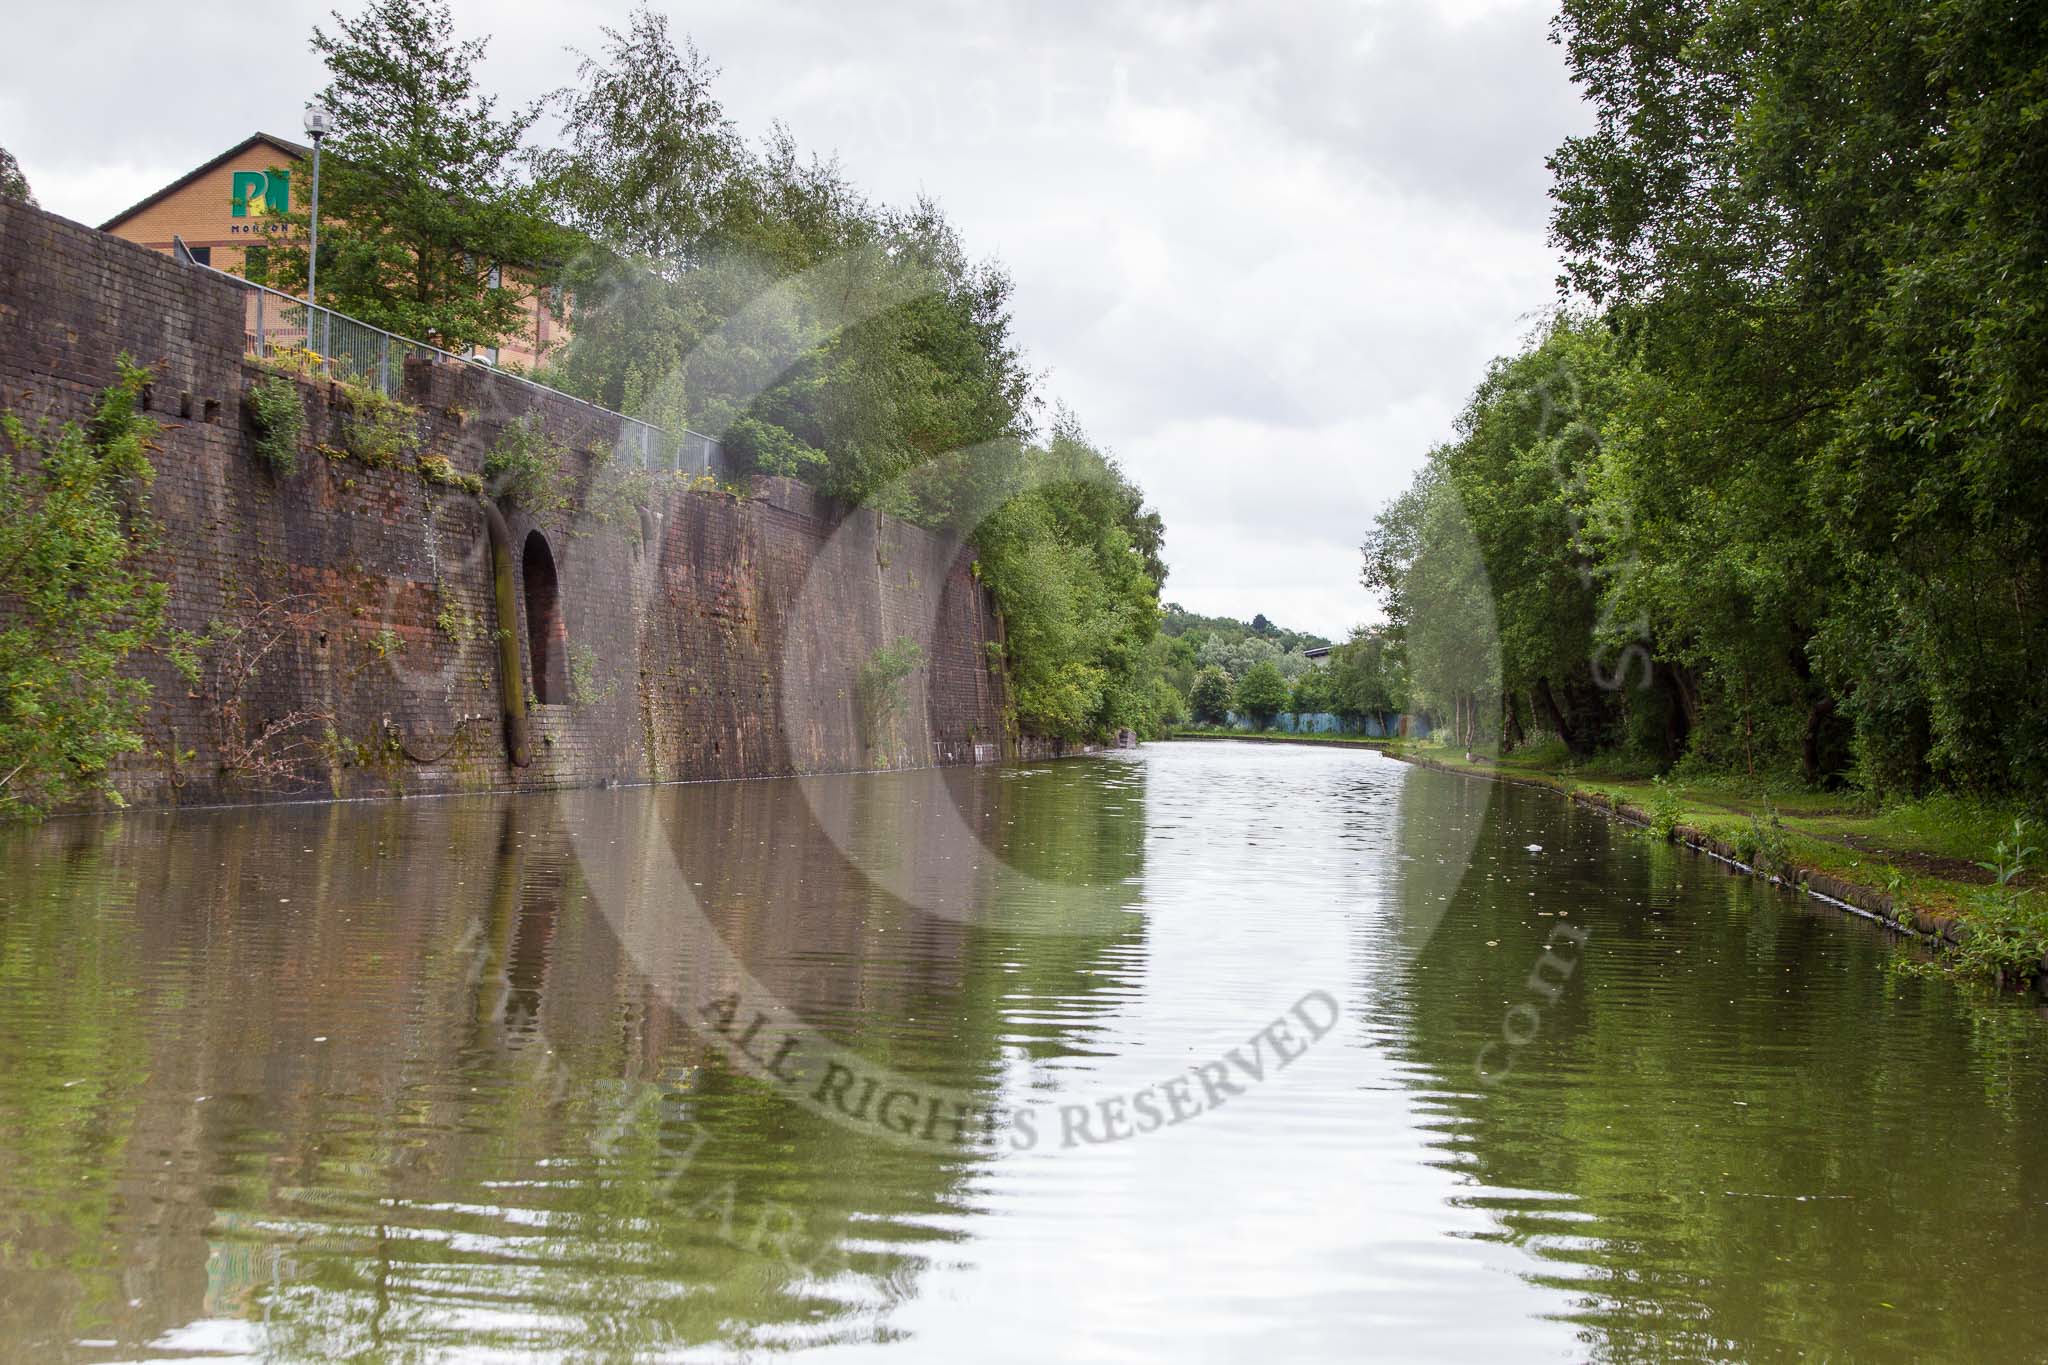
(1222, 1052)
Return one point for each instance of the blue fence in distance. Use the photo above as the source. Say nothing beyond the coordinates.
(1325, 723)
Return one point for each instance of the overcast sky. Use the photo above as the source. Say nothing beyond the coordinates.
(1263, 251)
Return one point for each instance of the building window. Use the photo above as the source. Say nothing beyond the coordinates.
(256, 265)
(202, 255)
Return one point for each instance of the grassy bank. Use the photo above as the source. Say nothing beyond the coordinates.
(1919, 865)
(1278, 737)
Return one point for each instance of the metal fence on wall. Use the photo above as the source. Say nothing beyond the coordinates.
(349, 349)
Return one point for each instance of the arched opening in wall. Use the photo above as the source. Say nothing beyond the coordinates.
(546, 636)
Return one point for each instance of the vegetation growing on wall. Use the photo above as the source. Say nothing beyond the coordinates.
(590, 683)
(524, 467)
(879, 693)
(376, 429)
(258, 752)
(74, 601)
(278, 414)
(13, 184)
(441, 472)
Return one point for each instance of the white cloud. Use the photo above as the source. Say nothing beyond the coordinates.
(1264, 252)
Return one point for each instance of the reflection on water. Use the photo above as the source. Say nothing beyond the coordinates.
(417, 1079)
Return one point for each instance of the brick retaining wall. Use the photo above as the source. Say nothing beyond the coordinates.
(719, 636)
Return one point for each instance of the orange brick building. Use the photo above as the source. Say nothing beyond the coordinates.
(228, 209)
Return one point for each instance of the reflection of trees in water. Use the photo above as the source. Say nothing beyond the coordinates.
(71, 1068)
(1617, 1150)
(479, 1136)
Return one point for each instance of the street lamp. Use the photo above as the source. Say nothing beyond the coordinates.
(317, 123)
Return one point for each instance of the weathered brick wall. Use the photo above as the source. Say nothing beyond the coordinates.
(713, 635)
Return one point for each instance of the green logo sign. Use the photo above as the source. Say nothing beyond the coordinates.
(259, 192)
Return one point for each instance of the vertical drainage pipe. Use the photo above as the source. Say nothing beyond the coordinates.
(511, 682)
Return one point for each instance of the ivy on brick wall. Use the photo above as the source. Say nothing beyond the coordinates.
(525, 467)
(278, 414)
(73, 599)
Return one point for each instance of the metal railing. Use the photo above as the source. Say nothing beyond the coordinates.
(349, 349)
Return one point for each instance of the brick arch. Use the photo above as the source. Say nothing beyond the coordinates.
(547, 637)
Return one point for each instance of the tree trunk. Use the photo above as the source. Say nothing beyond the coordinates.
(1688, 693)
(1809, 749)
(1678, 715)
(1547, 699)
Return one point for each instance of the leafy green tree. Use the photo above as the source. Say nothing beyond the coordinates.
(1078, 607)
(13, 184)
(1934, 489)
(1236, 657)
(1173, 659)
(1262, 693)
(1423, 557)
(1818, 230)
(1365, 676)
(1311, 694)
(1212, 696)
(651, 153)
(757, 297)
(1787, 481)
(1180, 622)
(424, 204)
(651, 166)
(75, 603)
(1168, 709)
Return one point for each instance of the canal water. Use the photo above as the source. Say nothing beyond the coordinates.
(1203, 1052)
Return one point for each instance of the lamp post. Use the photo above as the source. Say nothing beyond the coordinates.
(317, 123)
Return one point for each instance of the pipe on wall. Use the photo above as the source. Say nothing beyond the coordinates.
(511, 681)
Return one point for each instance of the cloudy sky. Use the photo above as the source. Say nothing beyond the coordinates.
(1263, 251)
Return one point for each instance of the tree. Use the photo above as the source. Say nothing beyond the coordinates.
(13, 184)
(1212, 696)
(1312, 693)
(1179, 621)
(73, 599)
(1818, 232)
(1262, 693)
(1366, 678)
(758, 297)
(1079, 610)
(1788, 479)
(1168, 709)
(423, 205)
(651, 151)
